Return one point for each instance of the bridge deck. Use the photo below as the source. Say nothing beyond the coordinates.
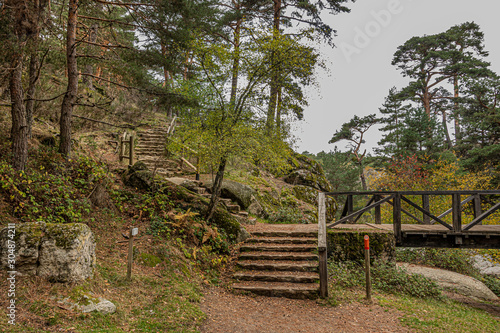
(418, 235)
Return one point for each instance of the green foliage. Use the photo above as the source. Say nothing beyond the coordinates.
(288, 214)
(386, 277)
(51, 190)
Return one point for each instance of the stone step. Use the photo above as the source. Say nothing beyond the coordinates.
(149, 152)
(277, 276)
(284, 233)
(243, 213)
(284, 265)
(259, 255)
(233, 208)
(283, 240)
(278, 247)
(200, 190)
(280, 289)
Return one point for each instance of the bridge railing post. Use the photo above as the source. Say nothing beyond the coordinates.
(378, 213)
(456, 212)
(427, 206)
(396, 217)
(323, 270)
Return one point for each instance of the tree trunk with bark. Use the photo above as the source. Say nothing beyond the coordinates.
(216, 188)
(19, 131)
(72, 90)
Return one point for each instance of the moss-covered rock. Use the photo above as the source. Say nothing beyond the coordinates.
(58, 252)
(187, 200)
(138, 176)
(308, 178)
(240, 193)
(310, 195)
(348, 245)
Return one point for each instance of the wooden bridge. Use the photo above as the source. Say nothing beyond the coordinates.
(427, 229)
(422, 227)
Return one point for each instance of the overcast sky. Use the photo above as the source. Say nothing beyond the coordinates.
(361, 71)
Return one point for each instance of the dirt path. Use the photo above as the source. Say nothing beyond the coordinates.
(227, 313)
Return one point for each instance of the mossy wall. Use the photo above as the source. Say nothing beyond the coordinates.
(348, 245)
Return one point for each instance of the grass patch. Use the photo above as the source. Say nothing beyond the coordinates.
(432, 315)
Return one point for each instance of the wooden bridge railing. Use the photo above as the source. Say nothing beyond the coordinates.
(457, 230)
(396, 198)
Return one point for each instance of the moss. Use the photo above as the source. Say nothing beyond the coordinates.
(310, 196)
(348, 245)
(186, 200)
(31, 232)
(149, 260)
(65, 234)
(82, 298)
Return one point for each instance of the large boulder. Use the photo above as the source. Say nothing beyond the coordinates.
(308, 178)
(307, 172)
(57, 252)
(240, 193)
(459, 283)
(138, 176)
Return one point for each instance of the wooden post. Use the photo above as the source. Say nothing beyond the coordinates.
(198, 166)
(427, 206)
(323, 270)
(396, 217)
(378, 214)
(130, 253)
(477, 206)
(457, 212)
(350, 205)
(120, 150)
(131, 151)
(367, 269)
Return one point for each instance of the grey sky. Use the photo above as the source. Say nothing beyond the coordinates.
(361, 71)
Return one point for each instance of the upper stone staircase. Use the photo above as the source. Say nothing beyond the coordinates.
(279, 260)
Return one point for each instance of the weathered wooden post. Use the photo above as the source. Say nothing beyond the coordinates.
(323, 270)
(131, 150)
(350, 205)
(396, 217)
(120, 150)
(378, 214)
(427, 206)
(367, 269)
(477, 206)
(133, 231)
(457, 212)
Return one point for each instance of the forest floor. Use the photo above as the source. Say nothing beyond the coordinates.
(228, 312)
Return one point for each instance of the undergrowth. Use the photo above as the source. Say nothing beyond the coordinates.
(386, 277)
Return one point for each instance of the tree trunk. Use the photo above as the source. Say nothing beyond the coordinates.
(278, 110)
(456, 115)
(446, 132)
(236, 64)
(274, 84)
(72, 90)
(216, 188)
(19, 129)
(30, 94)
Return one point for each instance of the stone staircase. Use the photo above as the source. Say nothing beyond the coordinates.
(280, 261)
(151, 151)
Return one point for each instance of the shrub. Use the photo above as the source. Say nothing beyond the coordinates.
(385, 277)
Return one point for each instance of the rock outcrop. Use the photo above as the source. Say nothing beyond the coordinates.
(138, 176)
(57, 252)
(486, 266)
(461, 284)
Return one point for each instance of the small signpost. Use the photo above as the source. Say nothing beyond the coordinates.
(133, 232)
(367, 269)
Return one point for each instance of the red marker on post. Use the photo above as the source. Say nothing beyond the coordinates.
(367, 269)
